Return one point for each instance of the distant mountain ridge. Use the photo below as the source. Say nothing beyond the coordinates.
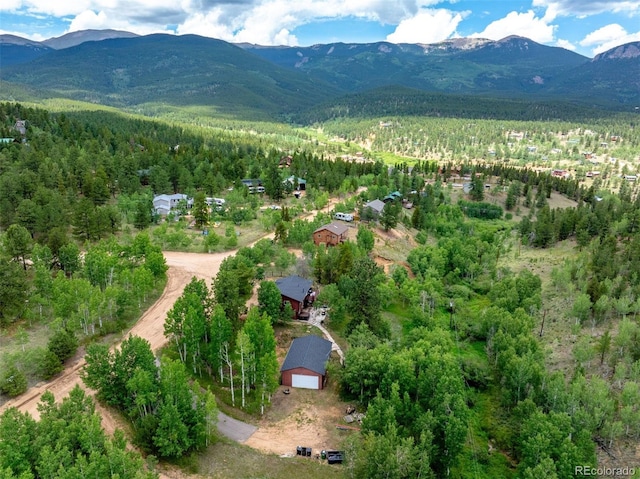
(15, 50)
(159, 69)
(131, 70)
(627, 51)
(76, 38)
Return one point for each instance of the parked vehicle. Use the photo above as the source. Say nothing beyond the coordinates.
(343, 216)
(335, 457)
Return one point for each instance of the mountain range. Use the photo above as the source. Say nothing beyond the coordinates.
(126, 70)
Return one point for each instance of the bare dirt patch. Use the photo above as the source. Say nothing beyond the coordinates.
(305, 418)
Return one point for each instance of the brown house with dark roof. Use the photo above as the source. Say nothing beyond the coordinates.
(330, 235)
(285, 161)
(297, 292)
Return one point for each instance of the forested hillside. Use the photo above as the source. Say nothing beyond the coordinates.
(199, 74)
(506, 244)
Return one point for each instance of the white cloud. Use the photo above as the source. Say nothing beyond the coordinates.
(581, 8)
(608, 37)
(54, 8)
(270, 22)
(604, 34)
(427, 26)
(566, 44)
(59, 8)
(257, 21)
(91, 20)
(521, 24)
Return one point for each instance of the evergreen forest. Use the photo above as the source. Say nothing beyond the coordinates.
(489, 314)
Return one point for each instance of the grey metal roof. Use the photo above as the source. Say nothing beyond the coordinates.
(294, 287)
(309, 352)
(335, 228)
(376, 205)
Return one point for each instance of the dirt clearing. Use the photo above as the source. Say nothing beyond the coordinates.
(305, 418)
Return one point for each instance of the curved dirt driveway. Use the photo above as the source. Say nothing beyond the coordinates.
(182, 267)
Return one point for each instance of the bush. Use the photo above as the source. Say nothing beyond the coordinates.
(63, 344)
(13, 382)
(422, 237)
(49, 365)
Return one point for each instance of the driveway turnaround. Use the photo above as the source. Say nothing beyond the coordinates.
(233, 429)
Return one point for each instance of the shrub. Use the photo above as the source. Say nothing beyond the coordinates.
(63, 344)
(13, 382)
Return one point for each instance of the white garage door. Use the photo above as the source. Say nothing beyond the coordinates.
(306, 382)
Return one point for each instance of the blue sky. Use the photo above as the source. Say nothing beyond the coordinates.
(587, 27)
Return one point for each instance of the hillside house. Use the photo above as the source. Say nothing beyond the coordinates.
(330, 235)
(396, 195)
(305, 365)
(165, 204)
(375, 206)
(298, 184)
(285, 161)
(297, 292)
(253, 184)
(21, 127)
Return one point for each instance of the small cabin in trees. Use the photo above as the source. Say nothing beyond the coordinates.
(376, 207)
(297, 184)
(306, 363)
(165, 204)
(297, 292)
(21, 127)
(330, 235)
(253, 184)
(285, 161)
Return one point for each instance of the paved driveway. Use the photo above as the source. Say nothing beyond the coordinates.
(234, 429)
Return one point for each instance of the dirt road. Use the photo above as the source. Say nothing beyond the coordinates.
(182, 267)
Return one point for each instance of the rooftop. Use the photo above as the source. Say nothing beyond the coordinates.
(294, 287)
(335, 228)
(309, 352)
(377, 205)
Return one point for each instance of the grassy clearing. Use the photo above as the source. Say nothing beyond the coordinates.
(537, 260)
(560, 333)
(394, 245)
(482, 457)
(227, 460)
(392, 158)
(37, 335)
